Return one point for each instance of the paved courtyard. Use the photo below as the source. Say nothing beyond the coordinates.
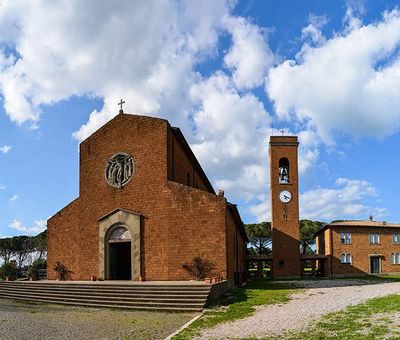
(41, 321)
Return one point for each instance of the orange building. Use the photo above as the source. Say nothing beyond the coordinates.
(359, 247)
(145, 207)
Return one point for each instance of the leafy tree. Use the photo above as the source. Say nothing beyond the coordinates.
(33, 270)
(307, 230)
(40, 243)
(260, 237)
(22, 247)
(6, 249)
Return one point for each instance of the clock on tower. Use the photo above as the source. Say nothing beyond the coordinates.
(285, 206)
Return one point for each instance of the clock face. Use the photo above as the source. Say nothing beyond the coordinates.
(285, 196)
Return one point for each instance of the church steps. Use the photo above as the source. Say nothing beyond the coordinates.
(140, 297)
(108, 286)
(114, 306)
(86, 295)
(116, 292)
(178, 306)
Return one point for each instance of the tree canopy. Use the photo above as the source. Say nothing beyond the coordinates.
(260, 236)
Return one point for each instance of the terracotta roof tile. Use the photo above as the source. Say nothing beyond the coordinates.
(364, 224)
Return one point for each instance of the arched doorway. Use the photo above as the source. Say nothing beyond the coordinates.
(119, 254)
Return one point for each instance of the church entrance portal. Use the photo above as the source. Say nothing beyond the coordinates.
(119, 254)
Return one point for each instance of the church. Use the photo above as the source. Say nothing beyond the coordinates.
(145, 208)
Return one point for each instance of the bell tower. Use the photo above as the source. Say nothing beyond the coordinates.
(285, 206)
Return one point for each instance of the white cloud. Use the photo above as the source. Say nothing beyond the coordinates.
(5, 149)
(105, 50)
(349, 83)
(39, 226)
(345, 201)
(249, 57)
(230, 135)
(14, 197)
(2, 187)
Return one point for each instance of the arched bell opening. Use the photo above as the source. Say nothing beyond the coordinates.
(284, 171)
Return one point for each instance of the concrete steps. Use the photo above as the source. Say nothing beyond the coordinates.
(191, 297)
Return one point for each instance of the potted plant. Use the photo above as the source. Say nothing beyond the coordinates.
(8, 271)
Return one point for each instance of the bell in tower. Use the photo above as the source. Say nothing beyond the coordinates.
(283, 171)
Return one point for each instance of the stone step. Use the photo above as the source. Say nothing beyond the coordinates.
(115, 292)
(146, 297)
(143, 294)
(106, 301)
(89, 295)
(116, 306)
(108, 287)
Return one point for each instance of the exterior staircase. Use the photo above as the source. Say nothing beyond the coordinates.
(147, 296)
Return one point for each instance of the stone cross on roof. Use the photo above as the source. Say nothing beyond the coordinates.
(120, 104)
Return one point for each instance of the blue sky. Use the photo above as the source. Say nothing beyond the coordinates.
(228, 73)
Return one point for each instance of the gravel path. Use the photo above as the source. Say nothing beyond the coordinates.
(44, 321)
(318, 298)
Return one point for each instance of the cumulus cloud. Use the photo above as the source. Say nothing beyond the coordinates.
(345, 201)
(249, 57)
(40, 225)
(349, 83)
(14, 197)
(231, 135)
(348, 199)
(5, 149)
(101, 49)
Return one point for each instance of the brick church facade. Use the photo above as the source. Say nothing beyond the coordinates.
(145, 207)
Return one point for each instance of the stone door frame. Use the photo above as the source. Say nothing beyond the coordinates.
(130, 221)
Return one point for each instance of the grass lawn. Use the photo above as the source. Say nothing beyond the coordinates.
(239, 304)
(378, 318)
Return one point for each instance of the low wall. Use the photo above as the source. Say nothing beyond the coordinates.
(216, 291)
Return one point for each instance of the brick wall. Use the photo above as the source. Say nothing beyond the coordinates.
(285, 217)
(360, 250)
(178, 221)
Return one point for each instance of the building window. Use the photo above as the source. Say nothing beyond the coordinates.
(396, 238)
(283, 171)
(395, 258)
(345, 238)
(374, 238)
(345, 259)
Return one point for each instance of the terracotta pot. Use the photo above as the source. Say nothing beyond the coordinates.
(92, 278)
(207, 280)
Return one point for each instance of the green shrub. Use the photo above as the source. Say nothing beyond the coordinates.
(8, 269)
(35, 266)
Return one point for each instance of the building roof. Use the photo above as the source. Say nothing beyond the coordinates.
(358, 223)
(181, 138)
(239, 221)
